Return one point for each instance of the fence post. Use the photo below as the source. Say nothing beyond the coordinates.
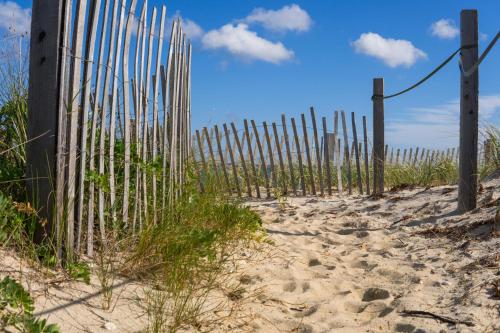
(367, 166)
(378, 135)
(46, 60)
(467, 183)
(357, 151)
(326, 152)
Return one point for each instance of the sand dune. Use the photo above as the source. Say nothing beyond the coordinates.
(337, 264)
(358, 264)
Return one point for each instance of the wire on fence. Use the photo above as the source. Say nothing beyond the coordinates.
(446, 61)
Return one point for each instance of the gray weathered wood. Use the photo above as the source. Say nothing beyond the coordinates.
(339, 166)
(367, 167)
(43, 155)
(469, 88)
(212, 156)
(126, 109)
(335, 132)
(356, 153)
(299, 157)
(112, 119)
(156, 93)
(270, 155)
(262, 158)
(318, 152)
(242, 159)
(251, 158)
(201, 152)
(288, 154)
(233, 163)
(347, 159)
(146, 99)
(105, 109)
(73, 124)
(280, 159)
(378, 135)
(415, 157)
(139, 77)
(326, 150)
(167, 119)
(422, 154)
(95, 116)
(221, 158)
(308, 154)
(93, 19)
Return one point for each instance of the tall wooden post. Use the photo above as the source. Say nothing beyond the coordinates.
(46, 66)
(467, 183)
(378, 135)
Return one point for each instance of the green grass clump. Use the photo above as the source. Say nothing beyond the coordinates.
(441, 172)
(185, 254)
(492, 151)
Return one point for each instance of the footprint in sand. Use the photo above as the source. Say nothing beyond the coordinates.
(372, 294)
(345, 232)
(361, 234)
(290, 286)
(314, 262)
(363, 264)
(307, 312)
(249, 279)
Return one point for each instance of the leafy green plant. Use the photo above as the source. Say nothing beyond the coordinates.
(79, 271)
(11, 222)
(16, 309)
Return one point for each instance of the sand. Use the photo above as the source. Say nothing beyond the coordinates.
(403, 262)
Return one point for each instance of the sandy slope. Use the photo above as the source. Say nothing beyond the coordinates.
(355, 264)
(336, 264)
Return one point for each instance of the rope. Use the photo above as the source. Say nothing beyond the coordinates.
(428, 76)
(481, 58)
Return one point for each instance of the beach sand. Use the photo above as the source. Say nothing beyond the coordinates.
(402, 262)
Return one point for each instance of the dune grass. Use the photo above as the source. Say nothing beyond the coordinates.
(180, 258)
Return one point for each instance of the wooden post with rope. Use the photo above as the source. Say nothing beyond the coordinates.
(378, 135)
(467, 181)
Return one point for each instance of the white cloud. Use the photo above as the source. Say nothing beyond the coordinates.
(15, 18)
(240, 41)
(290, 17)
(393, 52)
(438, 127)
(192, 29)
(444, 28)
(489, 106)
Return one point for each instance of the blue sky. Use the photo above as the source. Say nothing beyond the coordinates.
(258, 59)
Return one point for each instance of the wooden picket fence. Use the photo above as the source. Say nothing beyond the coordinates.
(285, 159)
(124, 117)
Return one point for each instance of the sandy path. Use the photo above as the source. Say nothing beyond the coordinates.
(355, 264)
(336, 264)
